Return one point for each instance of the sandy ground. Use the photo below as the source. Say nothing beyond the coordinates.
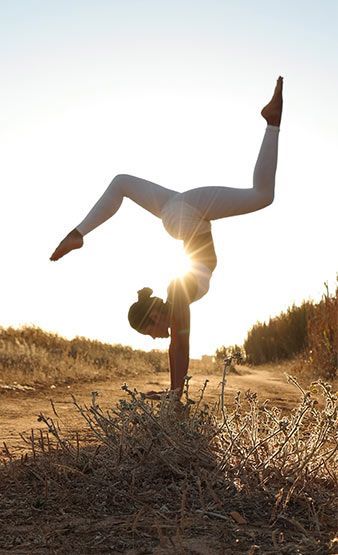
(19, 409)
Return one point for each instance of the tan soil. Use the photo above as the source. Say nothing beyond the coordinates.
(19, 409)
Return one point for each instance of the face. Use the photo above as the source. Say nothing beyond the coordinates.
(158, 327)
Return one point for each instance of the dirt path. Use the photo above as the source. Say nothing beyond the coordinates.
(19, 409)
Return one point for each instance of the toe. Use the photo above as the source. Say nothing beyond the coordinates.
(279, 83)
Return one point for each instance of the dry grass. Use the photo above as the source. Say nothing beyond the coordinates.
(170, 477)
(309, 332)
(34, 357)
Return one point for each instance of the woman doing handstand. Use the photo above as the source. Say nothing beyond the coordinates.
(186, 216)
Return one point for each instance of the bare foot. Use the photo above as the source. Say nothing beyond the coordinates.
(74, 240)
(272, 112)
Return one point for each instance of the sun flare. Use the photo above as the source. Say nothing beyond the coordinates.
(179, 262)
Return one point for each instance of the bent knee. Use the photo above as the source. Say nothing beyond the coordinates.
(266, 199)
(121, 178)
(270, 198)
(122, 181)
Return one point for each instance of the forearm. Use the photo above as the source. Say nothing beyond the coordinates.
(179, 364)
(180, 332)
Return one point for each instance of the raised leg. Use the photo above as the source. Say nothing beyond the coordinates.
(221, 202)
(150, 196)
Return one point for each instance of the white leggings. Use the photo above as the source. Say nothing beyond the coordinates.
(213, 202)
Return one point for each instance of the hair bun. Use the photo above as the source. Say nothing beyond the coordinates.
(144, 293)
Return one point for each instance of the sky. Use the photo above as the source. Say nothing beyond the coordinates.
(170, 92)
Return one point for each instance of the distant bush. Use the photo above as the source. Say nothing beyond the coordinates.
(281, 338)
(30, 355)
(235, 352)
(310, 329)
(323, 335)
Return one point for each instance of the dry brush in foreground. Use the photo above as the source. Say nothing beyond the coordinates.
(170, 477)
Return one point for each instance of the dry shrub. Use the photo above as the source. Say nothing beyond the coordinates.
(163, 477)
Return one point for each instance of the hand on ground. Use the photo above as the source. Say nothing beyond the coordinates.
(154, 395)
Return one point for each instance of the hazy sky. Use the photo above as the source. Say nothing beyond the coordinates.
(169, 91)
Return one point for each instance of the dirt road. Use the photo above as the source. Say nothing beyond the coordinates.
(19, 409)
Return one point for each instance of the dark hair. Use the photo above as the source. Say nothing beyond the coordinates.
(138, 314)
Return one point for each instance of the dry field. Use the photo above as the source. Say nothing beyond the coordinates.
(20, 406)
(116, 474)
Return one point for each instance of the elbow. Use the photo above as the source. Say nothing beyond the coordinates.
(181, 335)
(180, 340)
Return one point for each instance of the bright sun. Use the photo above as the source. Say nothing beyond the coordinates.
(179, 262)
(170, 263)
